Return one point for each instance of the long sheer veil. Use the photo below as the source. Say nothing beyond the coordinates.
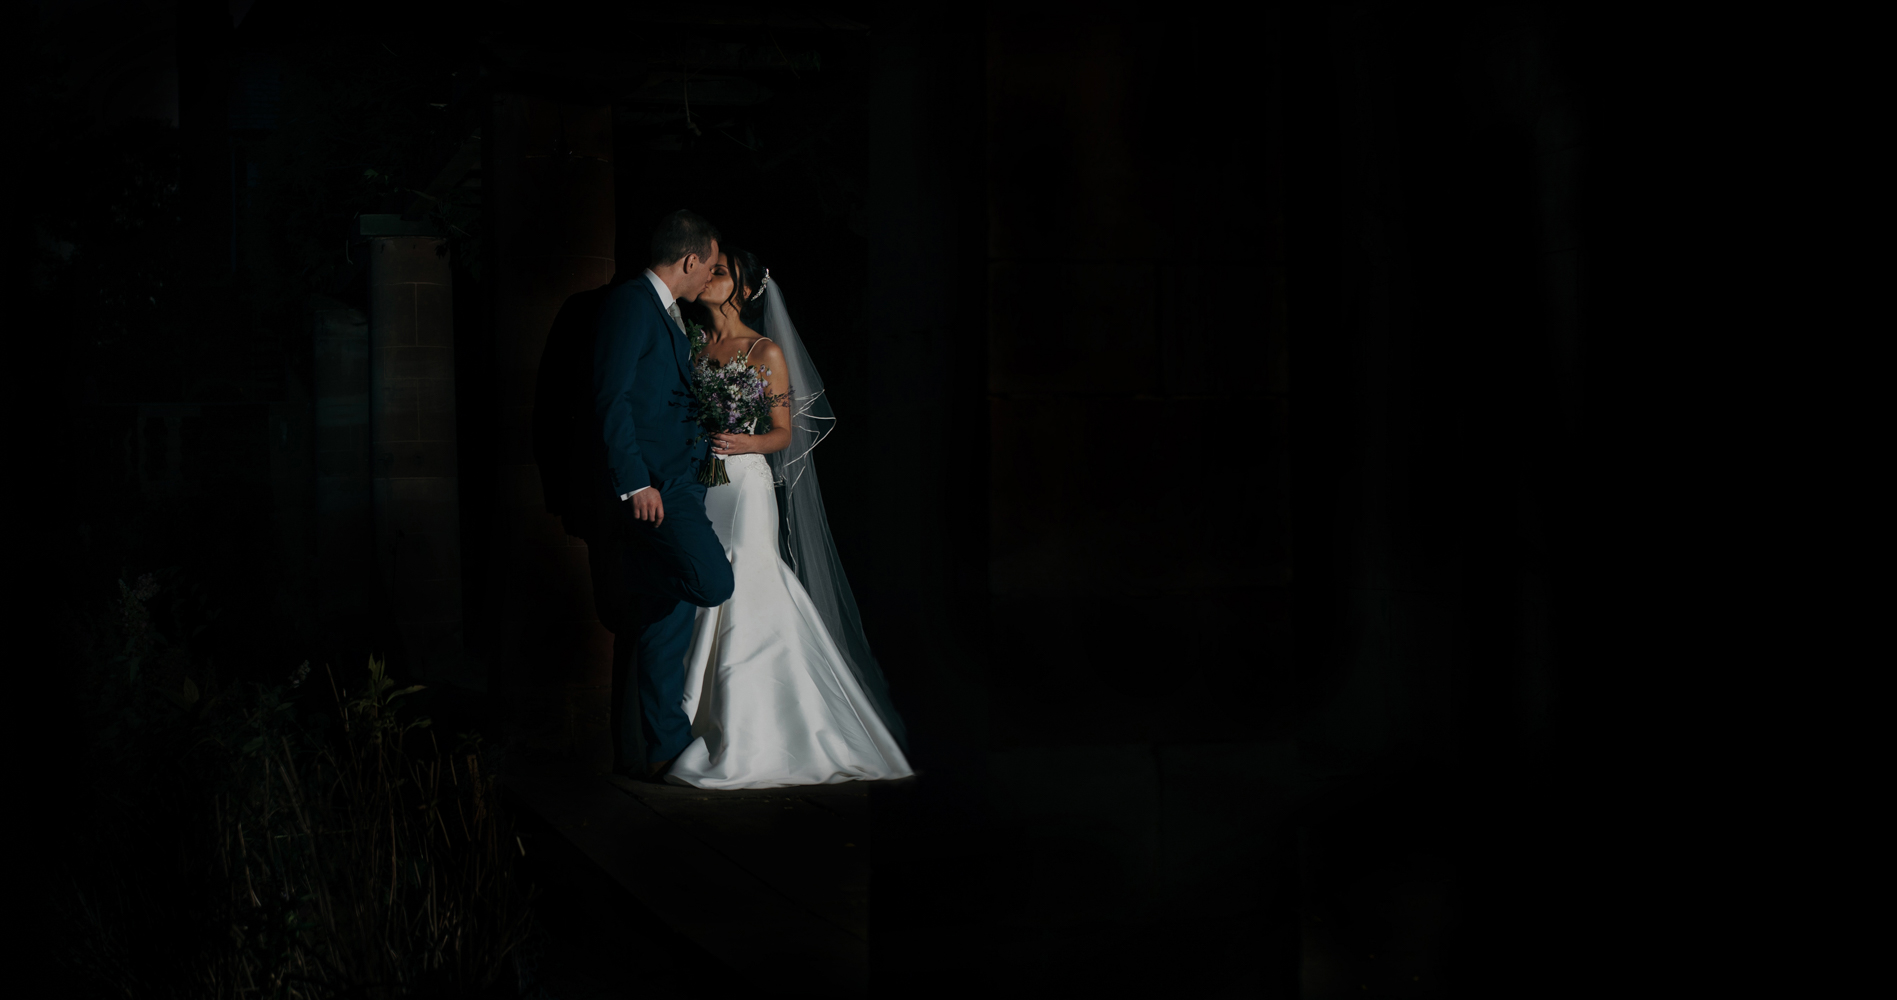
(803, 535)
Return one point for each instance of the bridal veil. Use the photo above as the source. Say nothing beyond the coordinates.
(803, 537)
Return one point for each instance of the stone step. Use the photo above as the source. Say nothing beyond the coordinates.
(773, 883)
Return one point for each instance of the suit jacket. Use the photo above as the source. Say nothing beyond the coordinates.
(641, 391)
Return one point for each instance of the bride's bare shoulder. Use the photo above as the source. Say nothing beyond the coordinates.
(767, 353)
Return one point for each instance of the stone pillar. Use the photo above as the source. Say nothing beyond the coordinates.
(551, 178)
(412, 442)
(344, 551)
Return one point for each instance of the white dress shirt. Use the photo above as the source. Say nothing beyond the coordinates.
(670, 302)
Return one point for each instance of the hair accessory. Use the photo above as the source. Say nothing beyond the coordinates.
(762, 284)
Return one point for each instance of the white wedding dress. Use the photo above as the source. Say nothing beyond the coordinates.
(772, 701)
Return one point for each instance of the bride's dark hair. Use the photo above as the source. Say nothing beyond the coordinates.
(746, 272)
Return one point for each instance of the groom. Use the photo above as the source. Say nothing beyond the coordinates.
(674, 561)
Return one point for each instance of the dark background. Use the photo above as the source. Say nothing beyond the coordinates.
(1267, 463)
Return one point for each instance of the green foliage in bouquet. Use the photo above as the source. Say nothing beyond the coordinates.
(732, 398)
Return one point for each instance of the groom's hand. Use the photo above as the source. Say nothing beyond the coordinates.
(647, 505)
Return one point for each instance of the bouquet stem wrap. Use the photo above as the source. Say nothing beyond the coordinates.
(712, 473)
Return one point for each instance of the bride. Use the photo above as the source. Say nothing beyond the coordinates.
(779, 681)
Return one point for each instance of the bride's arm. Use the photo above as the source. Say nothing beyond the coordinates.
(770, 358)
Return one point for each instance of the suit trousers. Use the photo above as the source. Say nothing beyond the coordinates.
(674, 568)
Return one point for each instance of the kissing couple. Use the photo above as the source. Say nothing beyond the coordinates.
(753, 670)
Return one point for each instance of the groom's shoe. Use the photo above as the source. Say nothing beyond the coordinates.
(655, 773)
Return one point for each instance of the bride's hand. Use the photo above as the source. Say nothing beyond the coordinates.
(727, 445)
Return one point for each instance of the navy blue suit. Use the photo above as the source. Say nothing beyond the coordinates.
(641, 377)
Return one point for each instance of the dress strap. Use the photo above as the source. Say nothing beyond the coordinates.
(753, 347)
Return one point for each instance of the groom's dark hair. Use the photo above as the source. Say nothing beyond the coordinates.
(680, 234)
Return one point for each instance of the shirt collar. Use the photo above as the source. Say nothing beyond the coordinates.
(666, 298)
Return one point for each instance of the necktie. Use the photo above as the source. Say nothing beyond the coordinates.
(672, 311)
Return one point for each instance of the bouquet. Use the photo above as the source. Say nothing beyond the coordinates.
(732, 398)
